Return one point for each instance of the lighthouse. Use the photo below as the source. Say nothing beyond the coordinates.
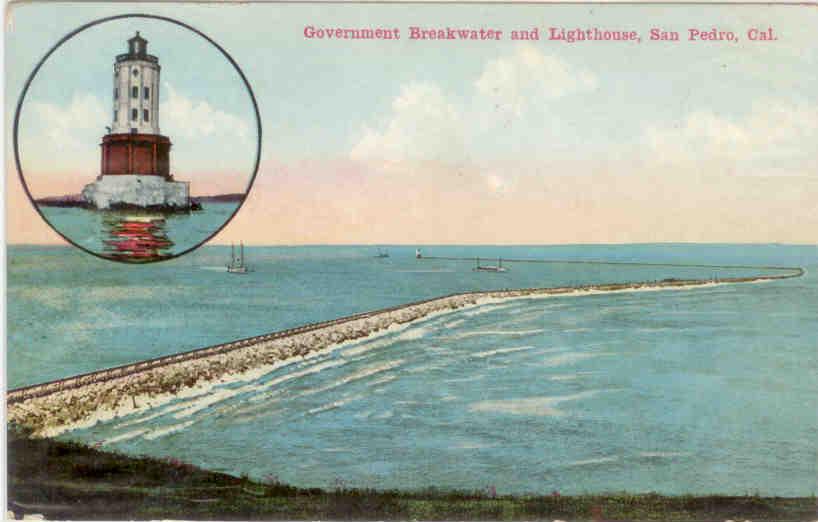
(135, 156)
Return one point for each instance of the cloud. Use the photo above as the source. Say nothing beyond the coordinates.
(769, 137)
(423, 125)
(429, 124)
(67, 127)
(194, 119)
(528, 77)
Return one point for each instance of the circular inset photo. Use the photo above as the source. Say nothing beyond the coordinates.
(137, 138)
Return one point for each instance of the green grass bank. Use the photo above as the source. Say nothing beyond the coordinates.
(69, 481)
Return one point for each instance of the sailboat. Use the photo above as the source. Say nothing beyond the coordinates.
(237, 265)
(382, 253)
(489, 268)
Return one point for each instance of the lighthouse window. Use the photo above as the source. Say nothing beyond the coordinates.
(116, 93)
(116, 114)
(136, 72)
(134, 92)
(145, 115)
(147, 93)
(134, 114)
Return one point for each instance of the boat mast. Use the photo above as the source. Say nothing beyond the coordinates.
(241, 245)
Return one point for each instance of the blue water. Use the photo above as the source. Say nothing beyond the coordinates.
(711, 390)
(174, 233)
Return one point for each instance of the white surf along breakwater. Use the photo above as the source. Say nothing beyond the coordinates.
(52, 408)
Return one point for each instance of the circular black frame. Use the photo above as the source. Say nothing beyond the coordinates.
(109, 19)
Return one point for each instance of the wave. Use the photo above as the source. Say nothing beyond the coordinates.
(360, 374)
(569, 358)
(470, 445)
(155, 434)
(662, 454)
(225, 394)
(498, 351)
(367, 346)
(163, 411)
(334, 405)
(261, 412)
(593, 462)
(438, 364)
(413, 334)
(484, 309)
(614, 458)
(570, 376)
(383, 380)
(214, 397)
(470, 378)
(535, 406)
(125, 436)
(315, 368)
(520, 333)
(256, 400)
(410, 334)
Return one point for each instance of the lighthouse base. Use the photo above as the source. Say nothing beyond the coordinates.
(131, 191)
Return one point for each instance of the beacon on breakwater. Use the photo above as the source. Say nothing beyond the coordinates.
(135, 162)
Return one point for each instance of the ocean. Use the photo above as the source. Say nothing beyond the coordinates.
(139, 236)
(706, 390)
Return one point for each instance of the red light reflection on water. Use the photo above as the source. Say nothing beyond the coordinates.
(136, 238)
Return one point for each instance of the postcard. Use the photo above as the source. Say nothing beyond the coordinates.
(411, 261)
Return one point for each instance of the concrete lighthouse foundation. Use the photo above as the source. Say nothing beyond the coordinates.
(134, 191)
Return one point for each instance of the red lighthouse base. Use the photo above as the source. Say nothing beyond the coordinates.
(136, 154)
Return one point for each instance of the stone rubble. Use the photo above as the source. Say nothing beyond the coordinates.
(99, 397)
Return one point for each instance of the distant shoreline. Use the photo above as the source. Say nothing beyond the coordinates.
(77, 201)
(51, 408)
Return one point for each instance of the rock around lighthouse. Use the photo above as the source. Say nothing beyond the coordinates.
(135, 163)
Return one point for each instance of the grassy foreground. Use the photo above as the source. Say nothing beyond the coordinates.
(71, 481)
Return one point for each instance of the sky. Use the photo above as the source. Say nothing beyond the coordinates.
(486, 142)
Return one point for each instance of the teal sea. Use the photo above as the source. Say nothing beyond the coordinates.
(707, 390)
(137, 236)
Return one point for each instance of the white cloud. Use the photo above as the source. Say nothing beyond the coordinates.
(527, 77)
(772, 135)
(423, 125)
(191, 118)
(427, 123)
(67, 127)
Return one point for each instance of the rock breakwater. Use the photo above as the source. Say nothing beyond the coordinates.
(52, 408)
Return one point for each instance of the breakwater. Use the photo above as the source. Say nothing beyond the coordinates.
(53, 407)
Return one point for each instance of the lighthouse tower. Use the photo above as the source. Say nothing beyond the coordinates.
(135, 159)
(136, 90)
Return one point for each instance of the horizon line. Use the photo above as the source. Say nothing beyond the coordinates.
(383, 244)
